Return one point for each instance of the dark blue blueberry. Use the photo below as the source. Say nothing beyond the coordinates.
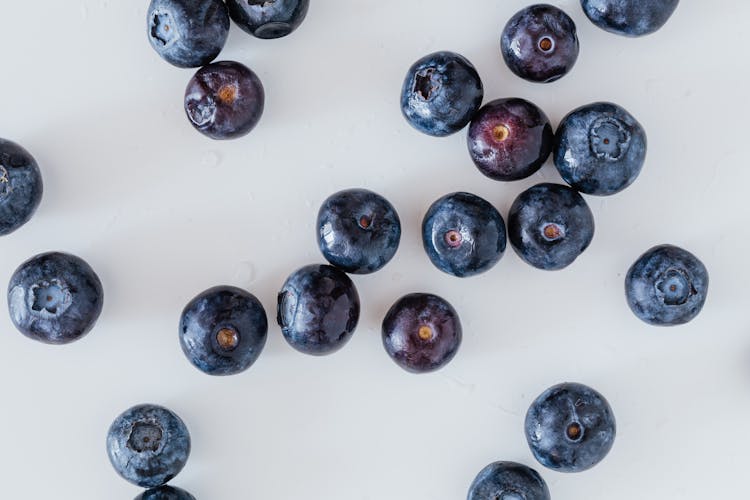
(509, 139)
(570, 428)
(629, 17)
(441, 93)
(358, 231)
(223, 330)
(666, 286)
(165, 493)
(20, 186)
(421, 332)
(188, 33)
(224, 100)
(148, 445)
(318, 309)
(508, 481)
(539, 43)
(55, 298)
(550, 225)
(463, 234)
(268, 18)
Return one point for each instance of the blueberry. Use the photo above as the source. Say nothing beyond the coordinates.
(666, 286)
(550, 225)
(268, 18)
(187, 33)
(508, 481)
(509, 139)
(224, 100)
(421, 332)
(629, 17)
(148, 445)
(539, 43)
(165, 493)
(55, 298)
(441, 93)
(570, 427)
(318, 309)
(358, 231)
(20, 186)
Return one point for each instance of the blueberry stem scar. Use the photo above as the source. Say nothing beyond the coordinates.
(500, 133)
(425, 332)
(227, 338)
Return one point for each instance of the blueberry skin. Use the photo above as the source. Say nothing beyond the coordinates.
(509, 139)
(550, 225)
(224, 100)
(165, 493)
(148, 445)
(20, 186)
(570, 427)
(187, 33)
(358, 231)
(540, 44)
(441, 93)
(318, 309)
(508, 480)
(666, 286)
(463, 234)
(631, 18)
(55, 298)
(268, 18)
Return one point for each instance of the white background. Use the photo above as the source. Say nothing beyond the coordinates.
(162, 213)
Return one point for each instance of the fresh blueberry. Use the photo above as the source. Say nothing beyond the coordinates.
(550, 225)
(539, 43)
(509, 139)
(148, 445)
(666, 286)
(318, 309)
(224, 100)
(421, 332)
(358, 231)
(20, 186)
(508, 481)
(441, 93)
(187, 33)
(165, 493)
(268, 18)
(570, 428)
(55, 298)
(629, 17)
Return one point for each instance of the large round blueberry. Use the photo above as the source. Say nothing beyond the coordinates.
(318, 309)
(666, 286)
(224, 100)
(165, 493)
(148, 445)
(187, 33)
(570, 427)
(550, 225)
(508, 481)
(421, 332)
(509, 139)
(629, 17)
(268, 18)
(441, 93)
(55, 298)
(358, 230)
(539, 43)
(20, 186)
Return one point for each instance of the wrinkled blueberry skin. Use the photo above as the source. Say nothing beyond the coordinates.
(148, 445)
(550, 225)
(629, 17)
(666, 286)
(540, 44)
(418, 314)
(358, 231)
(508, 480)
(268, 18)
(224, 100)
(187, 33)
(318, 309)
(20, 186)
(509, 139)
(55, 298)
(441, 93)
(165, 493)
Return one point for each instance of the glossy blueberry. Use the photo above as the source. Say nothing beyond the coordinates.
(421, 332)
(666, 286)
(55, 298)
(165, 493)
(224, 100)
(508, 481)
(629, 17)
(318, 309)
(268, 18)
(187, 33)
(441, 93)
(509, 139)
(550, 225)
(540, 44)
(570, 427)
(20, 186)
(358, 230)
(148, 445)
